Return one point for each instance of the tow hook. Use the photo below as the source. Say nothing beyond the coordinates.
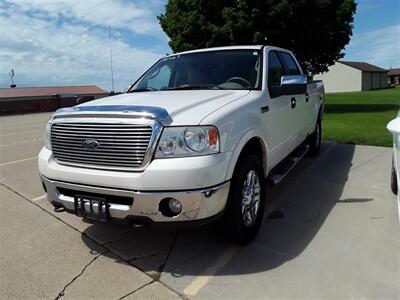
(59, 209)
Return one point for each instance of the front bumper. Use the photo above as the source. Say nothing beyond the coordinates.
(197, 204)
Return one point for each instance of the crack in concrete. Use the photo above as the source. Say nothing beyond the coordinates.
(62, 293)
(87, 236)
(150, 283)
(135, 290)
(154, 279)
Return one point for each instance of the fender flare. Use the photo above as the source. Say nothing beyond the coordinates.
(239, 146)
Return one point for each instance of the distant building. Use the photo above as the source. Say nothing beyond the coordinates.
(34, 99)
(350, 76)
(394, 77)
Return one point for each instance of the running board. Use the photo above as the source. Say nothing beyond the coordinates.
(284, 167)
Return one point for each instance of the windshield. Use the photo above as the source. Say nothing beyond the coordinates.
(227, 69)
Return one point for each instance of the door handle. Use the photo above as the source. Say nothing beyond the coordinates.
(307, 97)
(293, 102)
(264, 109)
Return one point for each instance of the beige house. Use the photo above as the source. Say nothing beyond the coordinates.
(350, 76)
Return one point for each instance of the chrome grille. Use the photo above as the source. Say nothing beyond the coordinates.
(119, 146)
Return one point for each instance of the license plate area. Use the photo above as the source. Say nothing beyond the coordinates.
(92, 208)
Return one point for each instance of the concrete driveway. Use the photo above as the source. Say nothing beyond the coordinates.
(330, 231)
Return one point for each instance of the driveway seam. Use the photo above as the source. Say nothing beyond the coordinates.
(13, 133)
(367, 161)
(24, 142)
(17, 161)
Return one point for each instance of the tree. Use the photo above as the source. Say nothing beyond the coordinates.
(315, 30)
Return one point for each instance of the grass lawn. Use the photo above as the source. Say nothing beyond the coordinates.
(360, 117)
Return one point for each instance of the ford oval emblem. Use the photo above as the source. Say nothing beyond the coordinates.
(91, 144)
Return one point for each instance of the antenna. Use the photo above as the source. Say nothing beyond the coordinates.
(111, 60)
(12, 74)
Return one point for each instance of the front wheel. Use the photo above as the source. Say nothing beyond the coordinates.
(245, 207)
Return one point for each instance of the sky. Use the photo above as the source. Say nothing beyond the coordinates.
(56, 42)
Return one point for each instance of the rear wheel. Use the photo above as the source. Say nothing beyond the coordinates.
(394, 179)
(245, 207)
(314, 139)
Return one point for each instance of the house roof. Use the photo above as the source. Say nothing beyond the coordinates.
(395, 71)
(49, 90)
(362, 66)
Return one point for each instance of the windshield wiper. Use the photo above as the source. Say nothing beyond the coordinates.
(140, 90)
(195, 86)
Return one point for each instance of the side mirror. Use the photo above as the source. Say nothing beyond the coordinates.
(294, 84)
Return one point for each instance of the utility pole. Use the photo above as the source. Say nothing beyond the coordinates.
(111, 60)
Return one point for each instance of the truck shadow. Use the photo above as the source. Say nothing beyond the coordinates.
(296, 211)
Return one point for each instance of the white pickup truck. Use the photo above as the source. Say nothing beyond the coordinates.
(194, 139)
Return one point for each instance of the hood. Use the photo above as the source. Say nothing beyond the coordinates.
(184, 107)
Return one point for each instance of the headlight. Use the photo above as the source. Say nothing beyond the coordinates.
(188, 141)
(47, 130)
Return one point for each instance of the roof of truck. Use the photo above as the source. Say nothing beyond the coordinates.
(243, 47)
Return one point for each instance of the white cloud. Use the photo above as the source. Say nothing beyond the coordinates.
(379, 47)
(45, 51)
(139, 17)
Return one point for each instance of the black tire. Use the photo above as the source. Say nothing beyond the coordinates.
(232, 225)
(314, 140)
(393, 184)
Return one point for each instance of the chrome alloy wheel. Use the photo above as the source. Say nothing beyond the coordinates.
(250, 198)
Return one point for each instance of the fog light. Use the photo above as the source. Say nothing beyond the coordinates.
(175, 206)
(170, 207)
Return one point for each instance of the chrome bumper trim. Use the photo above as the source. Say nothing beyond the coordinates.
(196, 204)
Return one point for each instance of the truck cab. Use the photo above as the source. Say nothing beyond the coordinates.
(194, 139)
